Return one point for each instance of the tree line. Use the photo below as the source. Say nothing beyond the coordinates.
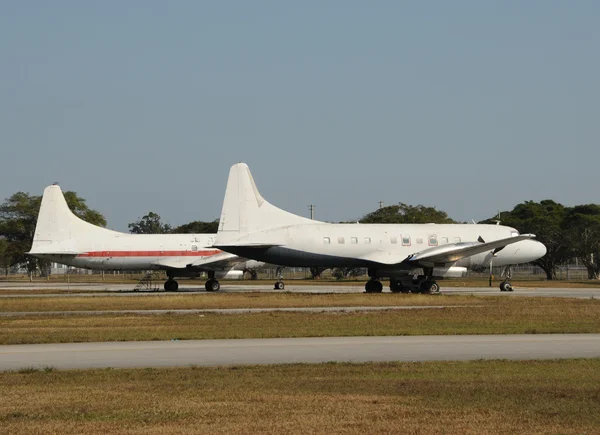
(567, 232)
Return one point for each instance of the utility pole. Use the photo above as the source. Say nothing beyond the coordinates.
(380, 204)
(312, 211)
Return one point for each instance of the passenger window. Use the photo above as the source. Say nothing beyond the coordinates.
(354, 240)
(419, 241)
(326, 240)
(406, 240)
(457, 240)
(367, 240)
(444, 240)
(341, 240)
(393, 240)
(433, 240)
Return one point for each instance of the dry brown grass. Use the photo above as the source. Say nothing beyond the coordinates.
(227, 300)
(492, 397)
(497, 316)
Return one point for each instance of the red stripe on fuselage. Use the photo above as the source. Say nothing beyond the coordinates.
(150, 253)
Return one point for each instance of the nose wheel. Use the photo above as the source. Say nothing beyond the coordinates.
(505, 285)
(279, 285)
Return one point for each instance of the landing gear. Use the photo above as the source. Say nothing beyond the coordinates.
(171, 285)
(430, 287)
(373, 286)
(505, 285)
(212, 285)
(396, 286)
(279, 285)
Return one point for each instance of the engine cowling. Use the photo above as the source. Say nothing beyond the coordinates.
(229, 274)
(450, 272)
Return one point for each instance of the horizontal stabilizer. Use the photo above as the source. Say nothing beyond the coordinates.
(246, 245)
(222, 260)
(57, 252)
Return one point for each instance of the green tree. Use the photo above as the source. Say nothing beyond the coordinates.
(197, 227)
(545, 219)
(407, 214)
(582, 231)
(5, 258)
(18, 217)
(149, 224)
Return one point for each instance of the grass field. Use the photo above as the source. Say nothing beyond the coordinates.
(228, 300)
(491, 397)
(485, 316)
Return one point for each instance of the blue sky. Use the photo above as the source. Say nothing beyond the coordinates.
(469, 106)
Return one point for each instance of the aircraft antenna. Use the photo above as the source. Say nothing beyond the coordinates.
(311, 207)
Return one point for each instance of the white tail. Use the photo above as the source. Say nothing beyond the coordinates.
(59, 230)
(245, 211)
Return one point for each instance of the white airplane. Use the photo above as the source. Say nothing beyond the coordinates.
(62, 237)
(412, 255)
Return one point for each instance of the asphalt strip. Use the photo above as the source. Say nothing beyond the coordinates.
(234, 310)
(298, 350)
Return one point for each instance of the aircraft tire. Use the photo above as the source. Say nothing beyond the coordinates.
(505, 286)
(397, 287)
(373, 286)
(171, 285)
(212, 285)
(279, 285)
(434, 287)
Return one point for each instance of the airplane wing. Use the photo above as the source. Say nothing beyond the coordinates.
(222, 260)
(457, 251)
(444, 254)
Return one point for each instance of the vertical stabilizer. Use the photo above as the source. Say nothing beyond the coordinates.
(58, 229)
(245, 211)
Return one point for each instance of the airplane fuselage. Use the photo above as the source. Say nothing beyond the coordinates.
(121, 251)
(345, 245)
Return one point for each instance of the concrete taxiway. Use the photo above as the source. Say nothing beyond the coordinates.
(25, 289)
(298, 350)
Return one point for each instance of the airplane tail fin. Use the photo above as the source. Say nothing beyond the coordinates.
(59, 230)
(245, 210)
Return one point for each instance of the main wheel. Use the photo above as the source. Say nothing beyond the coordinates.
(171, 285)
(212, 285)
(373, 286)
(279, 285)
(434, 287)
(396, 286)
(505, 286)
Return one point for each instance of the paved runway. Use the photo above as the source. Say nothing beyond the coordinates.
(233, 310)
(298, 350)
(23, 289)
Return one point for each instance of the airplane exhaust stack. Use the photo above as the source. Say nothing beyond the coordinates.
(245, 210)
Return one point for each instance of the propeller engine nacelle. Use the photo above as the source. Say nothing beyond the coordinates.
(229, 274)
